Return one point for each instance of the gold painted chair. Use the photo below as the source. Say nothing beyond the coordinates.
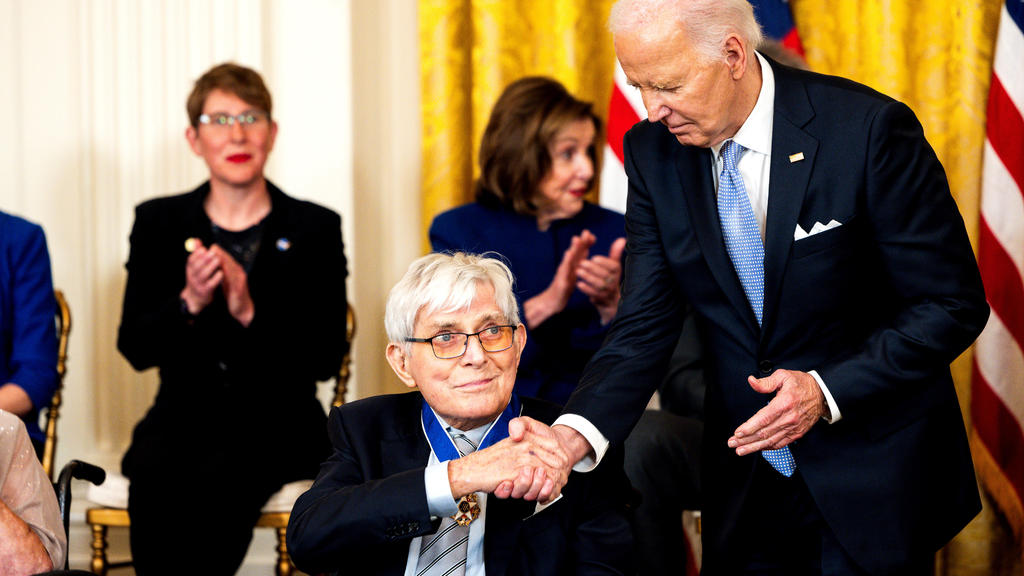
(63, 320)
(275, 512)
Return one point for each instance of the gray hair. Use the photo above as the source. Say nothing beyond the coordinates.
(706, 22)
(446, 282)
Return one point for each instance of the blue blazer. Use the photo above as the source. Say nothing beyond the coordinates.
(878, 306)
(28, 336)
(369, 501)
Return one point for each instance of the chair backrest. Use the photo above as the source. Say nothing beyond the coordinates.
(63, 320)
(341, 381)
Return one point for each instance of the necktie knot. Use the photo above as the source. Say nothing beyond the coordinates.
(731, 152)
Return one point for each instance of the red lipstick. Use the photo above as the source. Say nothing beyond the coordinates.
(239, 158)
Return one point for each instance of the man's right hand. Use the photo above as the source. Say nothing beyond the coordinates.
(559, 447)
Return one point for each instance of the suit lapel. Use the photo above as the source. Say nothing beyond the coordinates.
(695, 173)
(504, 520)
(787, 182)
(407, 446)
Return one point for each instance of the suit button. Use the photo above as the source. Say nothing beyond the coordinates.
(766, 367)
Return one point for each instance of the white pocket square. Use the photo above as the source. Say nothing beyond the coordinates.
(800, 233)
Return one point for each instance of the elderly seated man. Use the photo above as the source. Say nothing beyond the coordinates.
(407, 489)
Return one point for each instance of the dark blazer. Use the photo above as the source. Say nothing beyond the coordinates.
(215, 375)
(369, 502)
(878, 306)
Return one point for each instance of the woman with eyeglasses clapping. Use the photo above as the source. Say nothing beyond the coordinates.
(236, 292)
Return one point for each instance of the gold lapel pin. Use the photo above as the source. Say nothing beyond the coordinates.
(191, 244)
(796, 157)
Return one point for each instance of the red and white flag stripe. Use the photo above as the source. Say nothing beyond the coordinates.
(625, 109)
(997, 390)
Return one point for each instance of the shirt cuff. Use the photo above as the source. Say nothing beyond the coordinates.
(439, 491)
(834, 414)
(593, 436)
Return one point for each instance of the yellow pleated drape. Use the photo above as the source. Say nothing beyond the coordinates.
(471, 49)
(937, 58)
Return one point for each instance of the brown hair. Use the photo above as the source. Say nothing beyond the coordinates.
(514, 155)
(243, 82)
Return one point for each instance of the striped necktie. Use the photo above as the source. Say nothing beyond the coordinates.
(444, 552)
(743, 243)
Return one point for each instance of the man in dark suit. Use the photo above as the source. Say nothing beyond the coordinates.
(406, 489)
(810, 225)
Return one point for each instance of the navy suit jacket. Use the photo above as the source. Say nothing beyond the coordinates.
(878, 306)
(369, 501)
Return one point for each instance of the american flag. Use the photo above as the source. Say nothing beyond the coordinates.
(997, 386)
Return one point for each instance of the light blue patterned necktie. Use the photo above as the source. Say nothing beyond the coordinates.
(743, 243)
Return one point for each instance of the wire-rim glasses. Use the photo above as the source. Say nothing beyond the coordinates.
(222, 120)
(451, 345)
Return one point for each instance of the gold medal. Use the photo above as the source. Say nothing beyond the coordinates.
(469, 510)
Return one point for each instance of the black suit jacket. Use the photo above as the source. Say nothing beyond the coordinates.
(878, 306)
(215, 375)
(369, 502)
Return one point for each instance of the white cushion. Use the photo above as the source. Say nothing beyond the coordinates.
(284, 499)
(113, 493)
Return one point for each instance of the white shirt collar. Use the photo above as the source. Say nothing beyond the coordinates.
(756, 132)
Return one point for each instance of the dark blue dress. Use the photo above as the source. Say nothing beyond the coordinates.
(558, 349)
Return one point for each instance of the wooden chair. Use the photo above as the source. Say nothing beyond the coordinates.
(275, 513)
(63, 320)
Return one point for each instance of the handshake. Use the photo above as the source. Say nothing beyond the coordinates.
(533, 463)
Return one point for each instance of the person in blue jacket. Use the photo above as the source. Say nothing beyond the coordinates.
(537, 164)
(28, 335)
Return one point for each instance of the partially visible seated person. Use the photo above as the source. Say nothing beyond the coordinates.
(28, 337)
(32, 538)
(412, 474)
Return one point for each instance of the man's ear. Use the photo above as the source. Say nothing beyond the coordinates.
(399, 361)
(736, 56)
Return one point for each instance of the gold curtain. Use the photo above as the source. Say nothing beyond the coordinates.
(937, 58)
(471, 49)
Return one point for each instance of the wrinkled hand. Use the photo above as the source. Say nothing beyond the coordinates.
(554, 298)
(558, 447)
(202, 277)
(599, 278)
(798, 405)
(235, 287)
(484, 470)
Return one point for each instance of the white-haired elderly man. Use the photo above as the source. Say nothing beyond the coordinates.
(406, 490)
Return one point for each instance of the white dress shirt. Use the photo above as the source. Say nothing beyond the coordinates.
(440, 504)
(755, 135)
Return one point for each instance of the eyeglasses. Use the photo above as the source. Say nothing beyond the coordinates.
(454, 344)
(245, 119)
